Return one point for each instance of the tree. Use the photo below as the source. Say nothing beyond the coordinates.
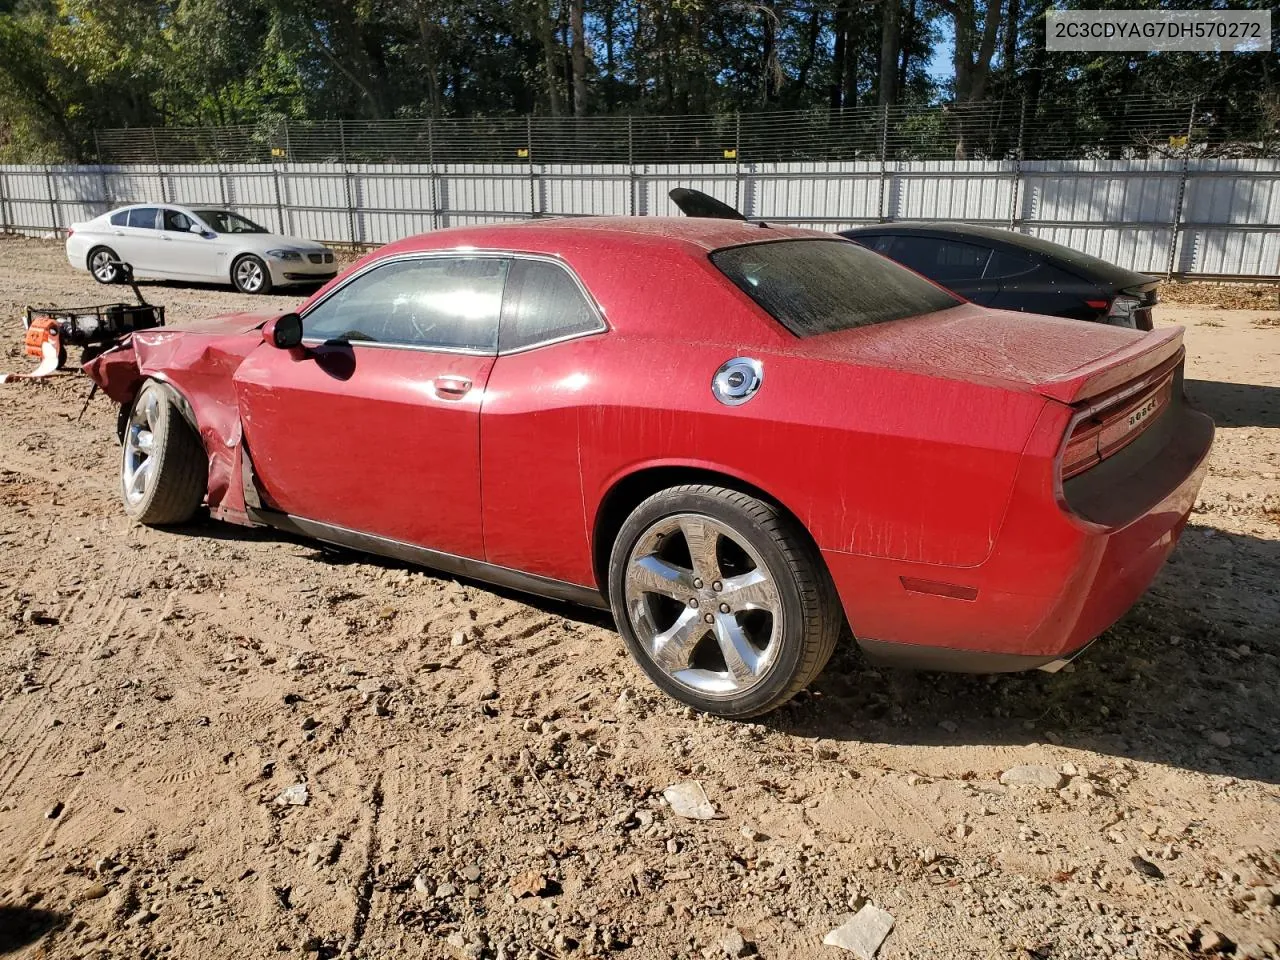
(579, 58)
(890, 51)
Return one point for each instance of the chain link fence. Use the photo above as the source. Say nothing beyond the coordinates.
(989, 130)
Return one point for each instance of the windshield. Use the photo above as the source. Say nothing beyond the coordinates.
(823, 286)
(224, 221)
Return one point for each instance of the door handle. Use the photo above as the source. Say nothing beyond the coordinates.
(451, 387)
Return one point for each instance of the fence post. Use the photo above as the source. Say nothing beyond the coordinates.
(53, 198)
(1015, 187)
(275, 176)
(884, 155)
(533, 187)
(102, 169)
(737, 161)
(433, 176)
(346, 182)
(1182, 192)
(633, 197)
(222, 183)
(155, 152)
(4, 199)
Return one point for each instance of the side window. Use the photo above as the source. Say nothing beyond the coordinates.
(144, 217)
(942, 260)
(176, 220)
(1005, 265)
(542, 303)
(446, 302)
(120, 219)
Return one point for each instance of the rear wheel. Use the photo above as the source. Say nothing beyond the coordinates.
(722, 599)
(250, 275)
(102, 264)
(163, 468)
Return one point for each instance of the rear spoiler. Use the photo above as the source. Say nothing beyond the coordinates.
(1115, 369)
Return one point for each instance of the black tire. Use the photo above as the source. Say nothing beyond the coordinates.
(111, 275)
(811, 616)
(179, 476)
(245, 284)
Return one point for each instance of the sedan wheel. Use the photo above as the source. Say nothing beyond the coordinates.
(722, 600)
(250, 275)
(163, 464)
(102, 264)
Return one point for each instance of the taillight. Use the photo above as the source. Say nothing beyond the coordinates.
(1111, 425)
(1123, 313)
(1081, 451)
(70, 231)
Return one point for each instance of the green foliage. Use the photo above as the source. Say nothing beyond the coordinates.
(69, 67)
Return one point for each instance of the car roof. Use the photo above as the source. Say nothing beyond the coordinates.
(548, 235)
(1083, 265)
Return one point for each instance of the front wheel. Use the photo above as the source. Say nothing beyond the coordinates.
(163, 468)
(250, 275)
(103, 264)
(722, 600)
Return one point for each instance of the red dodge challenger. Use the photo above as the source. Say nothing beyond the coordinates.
(736, 437)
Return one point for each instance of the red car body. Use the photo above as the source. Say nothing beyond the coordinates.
(923, 456)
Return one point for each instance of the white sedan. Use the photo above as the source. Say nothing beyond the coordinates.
(182, 243)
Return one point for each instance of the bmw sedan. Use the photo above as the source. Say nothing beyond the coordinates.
(205, 244)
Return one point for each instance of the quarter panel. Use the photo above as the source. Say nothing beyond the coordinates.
(875, 462)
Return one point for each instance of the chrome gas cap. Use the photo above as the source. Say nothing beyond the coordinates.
(737, 381)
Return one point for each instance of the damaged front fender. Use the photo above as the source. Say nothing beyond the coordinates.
(198, 366)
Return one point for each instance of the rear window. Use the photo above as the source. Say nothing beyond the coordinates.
(813, 287)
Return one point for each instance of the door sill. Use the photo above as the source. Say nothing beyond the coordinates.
(434, 559)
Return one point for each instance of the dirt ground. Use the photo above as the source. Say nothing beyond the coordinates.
(484, 772)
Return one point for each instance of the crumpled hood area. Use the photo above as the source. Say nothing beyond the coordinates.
(227, 323)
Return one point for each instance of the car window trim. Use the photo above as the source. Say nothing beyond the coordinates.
(600, 325)
(462, 254)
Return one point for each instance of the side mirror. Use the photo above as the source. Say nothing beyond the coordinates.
(283, 332)
(195, 228)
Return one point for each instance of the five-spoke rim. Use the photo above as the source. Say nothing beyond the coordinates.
(249, 275)
(139, 468)
(704, 605)
(102, 266)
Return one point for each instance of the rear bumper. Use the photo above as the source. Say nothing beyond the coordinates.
(1027, 607)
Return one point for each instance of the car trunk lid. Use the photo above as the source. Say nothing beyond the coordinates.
(1066, 360)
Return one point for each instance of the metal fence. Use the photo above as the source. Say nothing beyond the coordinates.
(1168, 216)
(1135, 128)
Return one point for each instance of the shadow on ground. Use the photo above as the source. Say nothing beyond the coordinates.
(1236, 404)
(1197, 660)
(22, 926)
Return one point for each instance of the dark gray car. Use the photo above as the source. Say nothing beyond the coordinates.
(1013, 271)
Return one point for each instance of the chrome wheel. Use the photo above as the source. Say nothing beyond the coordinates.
(103, 267)
(249, 275)
(139, 467)
(703, 604)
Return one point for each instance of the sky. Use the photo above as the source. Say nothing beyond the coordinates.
(940, 66)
